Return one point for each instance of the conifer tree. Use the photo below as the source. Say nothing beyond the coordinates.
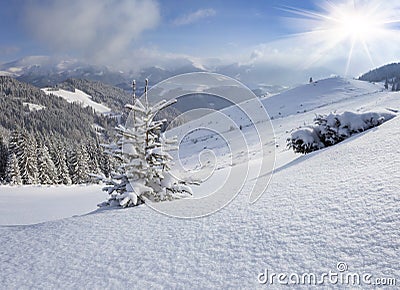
(3, 159)
(93, 153)
(105, 164)
(46, 167)
(78, 165)
(23, 146)
(59, 158)
(13, 176)
(143, 173)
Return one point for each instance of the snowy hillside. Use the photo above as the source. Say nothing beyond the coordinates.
(336, 205)
(314, 215)
(318, 95)
(78, 97)
(288, 110)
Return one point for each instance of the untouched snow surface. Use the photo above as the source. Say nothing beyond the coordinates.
(335, 205)
(35, 204)
(339, 204)
(33, 107)
(78, 97)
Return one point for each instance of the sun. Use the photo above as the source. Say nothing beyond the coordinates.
(355, 25)
(351, 23)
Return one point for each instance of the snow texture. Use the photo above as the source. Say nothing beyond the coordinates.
(22, 205)
(33, 107)
(340, 204)
(78, 97)
(323, 215)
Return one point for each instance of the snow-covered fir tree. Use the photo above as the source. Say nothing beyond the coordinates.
(94, 153)
(58, 156)
(142, 151)
(78, 160)
(46, 167)
(23, 145)
(13, 175)
(105, 164)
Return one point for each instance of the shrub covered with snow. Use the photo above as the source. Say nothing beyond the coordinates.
(332, 129)
(305, 140)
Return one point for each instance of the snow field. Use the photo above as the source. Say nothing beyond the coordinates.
(338, 204)
(78, 97)
(22, 205)
(323, 214)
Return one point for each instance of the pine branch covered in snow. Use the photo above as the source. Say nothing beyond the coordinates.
(332, 129)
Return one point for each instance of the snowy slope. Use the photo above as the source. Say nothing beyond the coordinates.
(78, 97)
(339, 204)
(288, 110)
(318, 95)
(33, 107)
(315, 214)
(35, 204)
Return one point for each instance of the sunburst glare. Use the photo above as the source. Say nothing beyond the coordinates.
(356, 25)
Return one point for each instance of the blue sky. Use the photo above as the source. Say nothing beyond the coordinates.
(123, 33)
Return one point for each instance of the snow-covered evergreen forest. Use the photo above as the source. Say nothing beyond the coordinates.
(33, 159)
(389, 73)
(46, 140)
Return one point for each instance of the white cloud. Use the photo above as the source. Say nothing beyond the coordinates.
(96, 29)
(256, 54)
(194, 17)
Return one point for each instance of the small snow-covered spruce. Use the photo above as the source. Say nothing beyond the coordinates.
(331, 129)
(142, 152)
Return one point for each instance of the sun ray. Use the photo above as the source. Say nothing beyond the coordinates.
(349, 57)
(355, 25)
(367, 51)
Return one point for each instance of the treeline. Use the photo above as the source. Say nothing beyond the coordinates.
(389, 73)
(33, 159)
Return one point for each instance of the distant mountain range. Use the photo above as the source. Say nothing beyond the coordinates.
(44, 71)
(113, 88)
